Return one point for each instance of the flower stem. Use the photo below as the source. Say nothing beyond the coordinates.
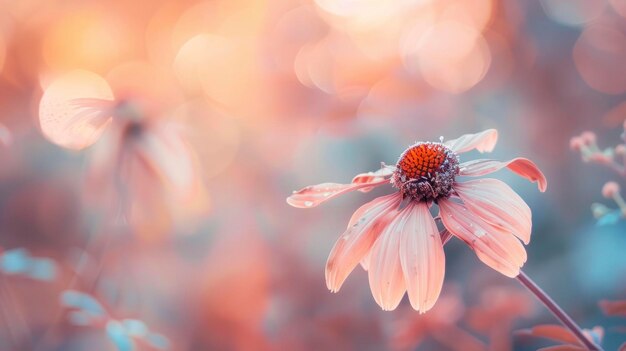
(557, 311)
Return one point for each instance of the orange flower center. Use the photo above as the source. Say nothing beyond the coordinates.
(426, 172)
(422, 159)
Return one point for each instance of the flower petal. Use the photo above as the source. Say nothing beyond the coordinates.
(385, 271)
(484, 141)
(613, 308)
(371, 177)
(355, 243)
(72, 110)
(314, 195)
(496, 248)
(551, 331)
(422, 257)
(522, 166)
(495, 202)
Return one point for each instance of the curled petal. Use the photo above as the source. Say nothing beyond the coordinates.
(484, 141)
(73, 110)
(314, 195)
(521, 166)
(371, 177)
(496, 248)
(422, 257)
(496, 203)
(385, 271)
(356, 242)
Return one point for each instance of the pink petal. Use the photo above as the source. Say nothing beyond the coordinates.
(422, 257)
(484, 142)
(365, 261)
(385, 272)
(563, 348)
(71, 110)
(495, 202)
(355, 243)
(497, 249)
(613, 308)
(551, 331)
(522, 166)
(371, 177)
(171, 157)
(314, 195)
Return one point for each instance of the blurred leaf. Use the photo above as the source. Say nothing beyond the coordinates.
(135, 327)
(43, 269)
(77, 299)
(15, 261)
(599, 210)
(117, 334)
(80, 318)
(158, 341)
(610, 218)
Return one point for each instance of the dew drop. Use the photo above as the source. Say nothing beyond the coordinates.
(308, 203)
(480, 232)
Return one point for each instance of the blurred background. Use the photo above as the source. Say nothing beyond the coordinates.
(238, 103)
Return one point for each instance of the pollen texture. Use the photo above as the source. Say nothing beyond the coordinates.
(426, 172)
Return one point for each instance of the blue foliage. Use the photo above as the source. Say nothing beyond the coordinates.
(121, 333)
(80, 318)
(135, 327)
(610, 218)
(118, 335)
(158, 341)
(15, 261)
(82, 301)
(19, 261)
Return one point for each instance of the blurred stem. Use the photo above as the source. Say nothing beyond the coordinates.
(557, 311)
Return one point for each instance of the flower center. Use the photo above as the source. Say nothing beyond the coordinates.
(426, 171)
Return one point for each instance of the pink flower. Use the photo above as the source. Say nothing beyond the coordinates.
(142, 169)
(401, 246)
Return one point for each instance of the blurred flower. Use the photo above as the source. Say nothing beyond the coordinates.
(85, 310)
(615, 159)
(410, 329)
(402, 249)
(494, 316)
(142, 167)
(563, 335)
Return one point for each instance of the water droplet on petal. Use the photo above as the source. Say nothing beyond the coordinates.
(308, 203)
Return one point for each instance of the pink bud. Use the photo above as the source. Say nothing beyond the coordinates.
(576, 143)
(588, 137)
(610, 189)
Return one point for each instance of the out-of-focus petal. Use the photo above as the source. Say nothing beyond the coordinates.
(385, 271)
(522, 166)
(496, 203)
(484, 141)
(314, 195)
(551, 331)
(357, 240)
(422, 256)
(563, 348)
(613, 308)
(72, 109)
(496, 248)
